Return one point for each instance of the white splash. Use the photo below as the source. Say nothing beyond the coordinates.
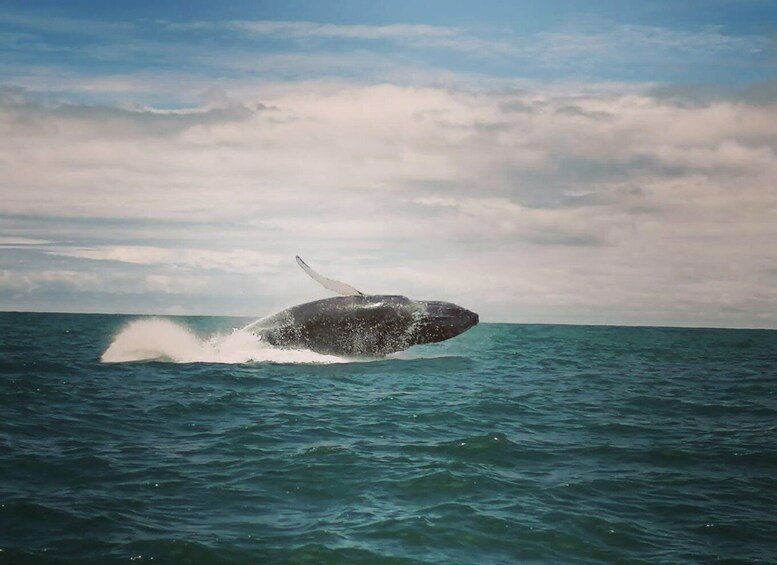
(159, 339)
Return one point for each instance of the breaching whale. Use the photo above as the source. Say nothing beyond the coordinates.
(361, 325)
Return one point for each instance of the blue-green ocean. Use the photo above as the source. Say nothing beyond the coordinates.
(508, 444)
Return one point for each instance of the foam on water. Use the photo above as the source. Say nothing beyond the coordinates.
(160, 339)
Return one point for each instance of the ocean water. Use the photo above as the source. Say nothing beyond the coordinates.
(508, 444)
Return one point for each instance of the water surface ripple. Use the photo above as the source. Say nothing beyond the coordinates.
(511, 443)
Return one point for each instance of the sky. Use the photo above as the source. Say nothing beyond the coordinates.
(536, 162)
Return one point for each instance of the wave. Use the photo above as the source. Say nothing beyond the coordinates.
(160, 339)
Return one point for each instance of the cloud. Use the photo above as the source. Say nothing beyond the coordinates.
(552, 47)
(303, 29)
(60, 24)
(234, 261)
(28, 282)
(21, 241)
(158, 165)
(629, 40)
(596, 206)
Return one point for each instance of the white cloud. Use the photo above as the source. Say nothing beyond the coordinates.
(550, 47)
(59, 24)
(237, 261)
(302, 29)
(704, 39)
(30, 281)
(639, 42)
(597, 206)
(21, 241)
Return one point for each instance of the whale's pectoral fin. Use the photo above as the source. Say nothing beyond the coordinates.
(330, 284)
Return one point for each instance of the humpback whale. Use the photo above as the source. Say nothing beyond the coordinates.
(361, 325)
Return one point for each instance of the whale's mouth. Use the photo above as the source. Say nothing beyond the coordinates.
(443, 320)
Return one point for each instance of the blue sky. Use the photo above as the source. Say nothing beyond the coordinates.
(711, 43)
(535, 161)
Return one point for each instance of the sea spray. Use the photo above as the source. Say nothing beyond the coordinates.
(160, 339)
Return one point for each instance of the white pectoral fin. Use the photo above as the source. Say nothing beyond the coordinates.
(330, 284)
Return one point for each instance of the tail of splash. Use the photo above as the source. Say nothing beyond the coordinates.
(159, 339)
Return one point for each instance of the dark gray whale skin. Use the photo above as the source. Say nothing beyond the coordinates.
(365, 325)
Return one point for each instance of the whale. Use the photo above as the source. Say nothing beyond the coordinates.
(356, 324)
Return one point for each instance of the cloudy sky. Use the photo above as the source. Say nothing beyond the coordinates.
(535, 162)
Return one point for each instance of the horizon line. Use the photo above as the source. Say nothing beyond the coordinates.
(576, 324)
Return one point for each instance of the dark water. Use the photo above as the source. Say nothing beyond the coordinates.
(512, 443)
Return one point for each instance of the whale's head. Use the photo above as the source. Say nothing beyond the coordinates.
(441, 321)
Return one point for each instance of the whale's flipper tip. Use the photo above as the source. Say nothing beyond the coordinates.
(329, 284)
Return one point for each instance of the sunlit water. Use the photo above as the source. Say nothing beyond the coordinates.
(510, 443)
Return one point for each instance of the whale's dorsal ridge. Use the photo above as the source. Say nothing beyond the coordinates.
(329, 284)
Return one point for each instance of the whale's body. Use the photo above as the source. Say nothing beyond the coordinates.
(360, 325)
(364, 325)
